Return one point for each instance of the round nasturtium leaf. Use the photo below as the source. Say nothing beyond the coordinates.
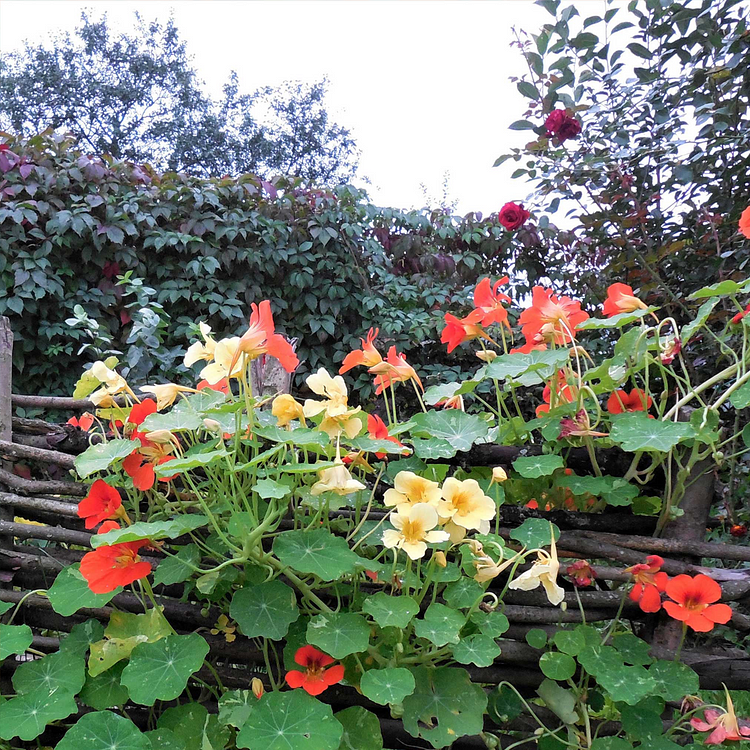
(339, 634)
(557, 666)
(104, 729)
(672, 678)
(70, 592)
(454, 426)
(570, 642)
(361, 729)
(27, 716)
(476, 649)
(58, 673)
(504, 705)
(493, 624)
(291, 720)
(533, 467)
(536, 638)
(164, 739)
(14, 639)
(265, 610)
(105, 690)
(463, 593)
(316, 552)
(390, 611)
(194, 727)
(535, 532)
(389, 685)
(160, 670)
(440, 625)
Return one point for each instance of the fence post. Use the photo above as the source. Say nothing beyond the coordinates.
(6, 413)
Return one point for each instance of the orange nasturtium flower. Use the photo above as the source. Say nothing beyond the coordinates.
(115, 565)
(83, 422)
(620, 299)
(139, 465)
(620, 401)
(318, 674)
(261, 338)
(378, 430)
(368, 355)
(458, 330)
(736, 319)
(693, 602)
(745, 222)
(551, 318)
(565, 394)
(650, 582)
(101, 503)
(490, 302)
(394, 369)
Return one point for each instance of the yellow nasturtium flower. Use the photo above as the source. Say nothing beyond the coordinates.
(201, 351)
(223, 357)
(409, 489)
(413, 530)
(286, 408)
(338, 417)
(465, 505)
(166, 393)
(336, 479)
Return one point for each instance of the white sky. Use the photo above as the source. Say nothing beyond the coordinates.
(422, 84)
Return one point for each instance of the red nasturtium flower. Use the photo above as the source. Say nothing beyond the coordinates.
(261, 338)
(693, 602)
(222, 386)
(650, 582)
(566, 394)
(83, 422)
(368, 355)
(581, 573)
(318, 674)
(620, 299)
(740, 315)
(490, 301)
(551, 318)
(139, 465)
(393, 369)
(377, 429)
(620, 401)
(101, 503)
(115, 565)
(458, 330)
(723, 725)
(745, 222)
(513, 215)
(561, 125)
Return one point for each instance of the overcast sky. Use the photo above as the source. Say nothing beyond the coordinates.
(422, 84)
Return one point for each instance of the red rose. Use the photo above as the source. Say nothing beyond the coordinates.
(561, 125)
(513, 215)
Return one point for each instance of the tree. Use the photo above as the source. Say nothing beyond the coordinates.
(135, 95)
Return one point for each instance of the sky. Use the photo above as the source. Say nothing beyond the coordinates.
(422, 84)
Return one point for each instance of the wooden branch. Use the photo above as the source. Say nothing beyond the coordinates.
(48, 533)
(27, 426)
(36, 454)
(6, 410)
(63, 402)
(44, 504)
(42, 486)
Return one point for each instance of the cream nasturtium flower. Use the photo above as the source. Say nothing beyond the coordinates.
(409, 489)
(166, 393)
(286, 408)
(112, 382)
(412, 530)
(499, 475)
(465, 504)
(223, 356)
(338, 417)
(487, 568)
(197, 350)
(544, 571)
(336, 479)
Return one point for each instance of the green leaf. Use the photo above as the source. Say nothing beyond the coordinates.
(528, 90)
(521, 125)
(5, 606)
(721, 289)
(100, 456)
(616, 321)
(432, 448)
(493, 624)
(82, 636)
(14, 639)
(641, 722)
(105, 690)
(361, 729)
(104, 729)
(454, 426)
(570, 642)
(390, 611)
(440, 625)
(339, 634)
(437, 393)
(178, 419)
(536, 638)
(302, 436)
(632, 649)
(160, 670)
(291, 720)
(740, 399)
(265, 610)
(533, 467)
(156, 530)
(557, 666)
(641, 51)
(374, 446)
(194, 727)
(560, 701)
(178, 568)
(389, 685)
(704, 311)
(57, 673)
(611, 743)
(514, 365)
(317, 552)
(504, 705)
(673, 680)
(27, 716)
(70, 592)
(614, 490)
(270, 488)
(535, 532)
(476, 649)
(444, 706)
(165, 739)
(235, 707)
(463, 593)
(599, 659)
(627, 684)
(636, 432)
(190, 461)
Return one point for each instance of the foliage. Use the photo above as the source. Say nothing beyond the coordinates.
(135, 95)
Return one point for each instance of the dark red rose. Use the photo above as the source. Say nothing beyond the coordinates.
(561, 125)
(513, 215)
